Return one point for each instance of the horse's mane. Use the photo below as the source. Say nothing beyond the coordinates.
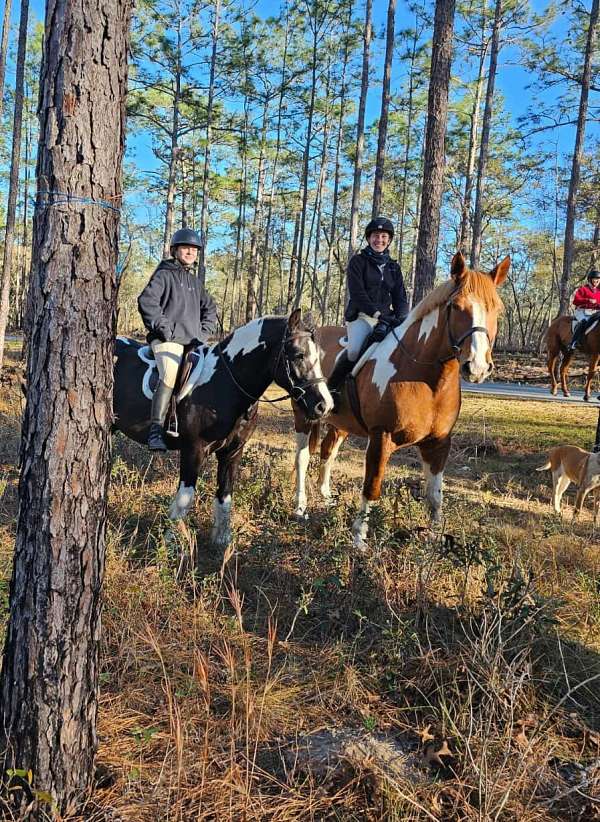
(472, 284)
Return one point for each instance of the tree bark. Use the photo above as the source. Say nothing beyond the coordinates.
(3, 50)
(385, 107)
(209, 116)
(569, 243)
(360, 132)
(433, 169)
(11, 211)
(170, 209)
(463, 235)
(50, 670)
(485, 137)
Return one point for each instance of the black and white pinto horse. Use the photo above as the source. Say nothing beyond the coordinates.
(217, 408)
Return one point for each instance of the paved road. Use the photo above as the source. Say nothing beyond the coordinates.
(523, 391)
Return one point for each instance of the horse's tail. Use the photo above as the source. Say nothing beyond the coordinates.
(545, 466)
(314, 436)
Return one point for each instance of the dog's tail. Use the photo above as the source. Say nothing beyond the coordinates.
(545, 466)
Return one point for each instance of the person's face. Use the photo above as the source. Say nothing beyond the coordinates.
(186, 254)
(379, 240)
(595, 281)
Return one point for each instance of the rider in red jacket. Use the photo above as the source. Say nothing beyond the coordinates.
(587, 303)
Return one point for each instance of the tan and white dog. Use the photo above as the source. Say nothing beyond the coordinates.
(568, 464)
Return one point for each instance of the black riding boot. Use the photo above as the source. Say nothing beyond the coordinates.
(337, 377)
(577, 335)
(160, 406)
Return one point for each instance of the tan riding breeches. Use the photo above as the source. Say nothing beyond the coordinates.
(168, 357)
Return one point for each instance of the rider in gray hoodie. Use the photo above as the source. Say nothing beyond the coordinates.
(177, 311)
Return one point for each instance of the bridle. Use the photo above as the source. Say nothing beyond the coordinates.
(455, 344)
(296, 391)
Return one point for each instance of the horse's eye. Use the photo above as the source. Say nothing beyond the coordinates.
(298, 357)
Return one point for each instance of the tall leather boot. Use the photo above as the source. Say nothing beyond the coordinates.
(577, 335)
(160, 406)
(337, 377)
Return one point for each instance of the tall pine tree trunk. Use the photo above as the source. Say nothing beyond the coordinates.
(252, 293)
(569, 244)
(485, 137)
(433, 167)
(408, 142)
(336, 180)
(465, 217)
(173, 156)
(305, 167)
(209, 118)
(11, 211)
(385, 107)
(49, 679)
(3, 50)
(360, 132)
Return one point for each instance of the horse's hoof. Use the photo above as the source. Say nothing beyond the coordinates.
(301, 515)
(586, 397)
(360, 544)
(554, 391)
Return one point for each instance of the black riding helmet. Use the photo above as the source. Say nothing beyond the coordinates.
(380, 224)
(186, 236)
(594, 274)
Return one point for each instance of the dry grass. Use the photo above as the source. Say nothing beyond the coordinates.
(488, 640)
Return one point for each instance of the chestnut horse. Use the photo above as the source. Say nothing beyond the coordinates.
(558, 338)
(409, 387)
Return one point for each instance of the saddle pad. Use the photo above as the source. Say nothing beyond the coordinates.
(150, 378)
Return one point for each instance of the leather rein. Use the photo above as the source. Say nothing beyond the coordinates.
(455, 344)
(297, 390)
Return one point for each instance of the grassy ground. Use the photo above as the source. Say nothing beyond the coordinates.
(474, 654)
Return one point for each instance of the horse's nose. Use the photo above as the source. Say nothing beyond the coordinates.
(490, 368)
(320, 408)
(466, 369)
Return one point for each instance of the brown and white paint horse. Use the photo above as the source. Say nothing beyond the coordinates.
(409, 387)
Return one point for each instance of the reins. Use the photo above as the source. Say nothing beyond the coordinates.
(296, 391)
(455, 345)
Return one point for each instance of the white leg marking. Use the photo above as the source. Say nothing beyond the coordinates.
(302, 460)
(360, 526)
(221, 530)
(325, 471)
(433, 492)
(560, 483)
(182, 502)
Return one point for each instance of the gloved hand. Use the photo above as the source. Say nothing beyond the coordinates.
(380, 331)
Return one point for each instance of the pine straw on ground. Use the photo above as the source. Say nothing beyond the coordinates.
(484, 643)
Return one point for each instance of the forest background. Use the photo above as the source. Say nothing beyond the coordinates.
(245, 124)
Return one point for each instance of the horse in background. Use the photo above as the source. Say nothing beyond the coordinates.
(558, 339)
(218, 414)
(408, 387)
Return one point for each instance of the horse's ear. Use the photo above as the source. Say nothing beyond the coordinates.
(295, 319)
(458, 267)
(500, 272)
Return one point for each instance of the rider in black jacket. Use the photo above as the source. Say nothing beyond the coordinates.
(377, 297)
(177, 311)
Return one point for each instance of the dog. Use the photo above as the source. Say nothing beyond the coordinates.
(568, 464)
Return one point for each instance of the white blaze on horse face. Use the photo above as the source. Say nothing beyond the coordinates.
(428, 323)
(182, 502)
(317, 373)
(245, 339)
(221, 530)
(302, 460)
(433, 492)
(479, 363)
